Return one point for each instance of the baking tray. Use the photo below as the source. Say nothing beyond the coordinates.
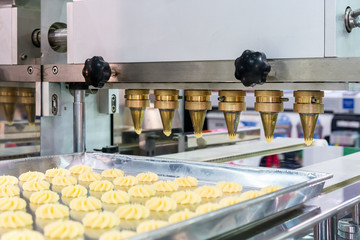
(299, 186)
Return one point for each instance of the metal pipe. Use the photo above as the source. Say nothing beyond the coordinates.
(356, 215)
(58, 37)
(326, 230)
(79, 123)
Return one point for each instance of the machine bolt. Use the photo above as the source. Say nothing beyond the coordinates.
(30, 70)
(23, 57)
(55, 70)
(54, 104)
(113, 103)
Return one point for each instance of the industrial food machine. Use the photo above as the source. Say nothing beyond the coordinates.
(89, 74)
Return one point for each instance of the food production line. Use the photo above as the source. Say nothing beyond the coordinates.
(120, 75)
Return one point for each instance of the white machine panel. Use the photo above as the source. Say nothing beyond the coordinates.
(193, 30)
(8, 36)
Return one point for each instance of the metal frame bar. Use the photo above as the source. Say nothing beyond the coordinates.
(20, 73)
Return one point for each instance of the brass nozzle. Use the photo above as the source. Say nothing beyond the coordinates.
(309, 105)
(27, 98)
(269, 104)
(197, 102)
(137, 100)
(231, 102)
(167, 102)
(8, 99)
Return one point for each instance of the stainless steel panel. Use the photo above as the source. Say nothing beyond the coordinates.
(20, 73)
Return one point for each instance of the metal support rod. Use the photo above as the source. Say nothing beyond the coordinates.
(58, 37)
(326, 230)
(356, 215)
(79, 123)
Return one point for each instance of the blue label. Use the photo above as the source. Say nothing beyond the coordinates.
(348, 103)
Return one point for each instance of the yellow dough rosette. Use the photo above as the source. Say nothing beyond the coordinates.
(187, 199)
(270, 189)
(186, 182)
(17, 219)
(6, 180)
(147, 177)
(229, 187)
(125, 182)
(9, 191)
(79, 169)
(150, 225)
(207, 207)
(117, 235)
(250, 195)
(23, 234)
(12, 204)
(181, 216)
(32, 176)
(64, 229)
(112, 173)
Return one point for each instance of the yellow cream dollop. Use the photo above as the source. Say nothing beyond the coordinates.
(100, 220)
(126, 181)
(23, 234)
(186, 181)
(186, 197)
(150, 225)
(165, 186)
(52, 211)
(32, 176)
(207, 207)
(89, 177)
(112, 173)
(161, 204)
(250, 194)
(132, 212)
(9, 191)
(225, 202)
(64, 229)
(115, 197)
(45, 196)
(147, 177)
(117, 235)
(34, 186)
(209, 191)
(63, 181)
(141, 191)
(101, 186)
(229, 187)
(74, 191)
(79, 169)
(6, 180)
(56, 172)
(12, 204)
(271, 188)
(85, 204)
(181, 216)
(18, 219)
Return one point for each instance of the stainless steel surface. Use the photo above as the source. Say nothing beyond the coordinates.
(347, 225)
(326, 230)
(299, 186)
(58, 37)
(356, 215)
(351, 19)
(20, 73)
(313, 74)
(79, 123)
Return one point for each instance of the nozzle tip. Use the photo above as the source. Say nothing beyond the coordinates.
(10, 123)
(198, 134)
(308, 141)
(138, 130)
(31, 124)
(269, 138)
(232, 136)
(167, 132)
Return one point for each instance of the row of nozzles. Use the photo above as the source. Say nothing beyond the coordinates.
(232, 102)
(10, 96)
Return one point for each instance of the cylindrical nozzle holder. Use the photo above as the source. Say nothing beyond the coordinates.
(232, 100)
(308, 102)
(137, 100)
(268, 101)
(166, 99)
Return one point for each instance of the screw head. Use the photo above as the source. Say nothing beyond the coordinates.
(30, 70)
(55, 70)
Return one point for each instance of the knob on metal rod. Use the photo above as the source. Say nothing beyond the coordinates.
(96, 72)
(351, 19)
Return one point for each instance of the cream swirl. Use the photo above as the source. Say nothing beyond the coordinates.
(12, 203)
(228, 201)
(209, 191)
(34, 186)
(52, 211)
(150, 225)
(9, 191)
(132, 212)
(207, 207)
(89, 177)
(73, 191)
(16, 219)
(101, 186)
(6, 180)
(115, 197)
(126, 181)
(100, 220)
(23, 234)
(64, 229)
(117, 235)
(147, 177)
(186, 181)
(79, 169)
(45, 196)
(165, 186)
(181, 216)
(186, 197)
(32, 176)
(85, 204)
(229, 187)
(63, 181)
(55, 172)
(250, 194)
(163, 204)
(270, 188)
(112, 173)
(141, 191)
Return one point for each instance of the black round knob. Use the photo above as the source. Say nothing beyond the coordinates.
(96, 71)
(252, 68)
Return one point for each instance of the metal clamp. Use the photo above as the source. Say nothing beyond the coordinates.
(351, 19)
